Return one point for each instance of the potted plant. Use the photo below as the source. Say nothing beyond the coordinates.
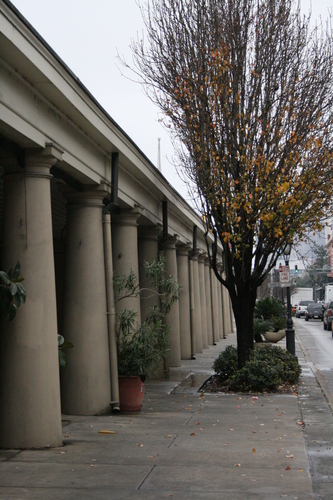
(141, 348)
(271, 312)
(278, 329)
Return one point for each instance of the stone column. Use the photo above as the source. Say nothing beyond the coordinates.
(226, 311)
(215, 309)
(184, 300)
(148, 252)
(125, 254)
(222, 319)
(30, 415)
(195, 307)
(85, 383)
(201, 269)
(231, 315)
(172, 319)
(208, 303)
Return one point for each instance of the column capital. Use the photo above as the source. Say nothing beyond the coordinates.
(43, 157)
(207, 261)
(202, 256)
(128, 217)
(92, 196)
(183, 248)
(195, 255)
(149, 232)
(171, 242)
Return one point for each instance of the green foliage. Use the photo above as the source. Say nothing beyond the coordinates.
(268, 308)
(278, 323)
(141, 348)
(267, 368)
(12, 292)
(62, 345)
(227, 363)
(260, 326)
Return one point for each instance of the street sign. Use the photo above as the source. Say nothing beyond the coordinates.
(284, 275)
(274, 284)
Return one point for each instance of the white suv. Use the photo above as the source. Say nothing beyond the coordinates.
(301, 307)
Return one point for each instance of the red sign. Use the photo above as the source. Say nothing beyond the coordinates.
(284, 274)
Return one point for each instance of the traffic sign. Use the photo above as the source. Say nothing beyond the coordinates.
(284, 274)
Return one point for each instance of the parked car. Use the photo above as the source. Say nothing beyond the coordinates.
(301, 308)
(328, 316)
(314, 311)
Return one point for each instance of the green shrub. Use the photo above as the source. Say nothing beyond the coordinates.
(278, 323)
(227, 363)
(268, 308)
(267, 368)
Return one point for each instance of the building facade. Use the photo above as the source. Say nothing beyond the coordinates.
(79, 202)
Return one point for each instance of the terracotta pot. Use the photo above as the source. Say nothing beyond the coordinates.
(131, 392)
(275, 336)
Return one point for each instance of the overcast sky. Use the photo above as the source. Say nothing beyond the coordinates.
(87, 36)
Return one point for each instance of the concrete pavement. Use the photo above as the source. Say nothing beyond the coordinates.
(187, 445)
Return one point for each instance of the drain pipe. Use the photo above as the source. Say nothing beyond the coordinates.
(111, 311)
(192, 319)
(110, 305)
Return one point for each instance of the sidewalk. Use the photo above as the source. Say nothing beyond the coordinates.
(183, 445)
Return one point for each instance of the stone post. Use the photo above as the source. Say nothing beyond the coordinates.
(125, 254)
(184, 300)
(195, 307)
(30, 415)
(148, 252)
(172, 319)
(208, 303)
(201, 269)
(215, 309)
(85, 383)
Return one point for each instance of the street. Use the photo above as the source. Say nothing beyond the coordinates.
(319, 346)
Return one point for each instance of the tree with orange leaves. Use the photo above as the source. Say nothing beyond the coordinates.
(246, 87)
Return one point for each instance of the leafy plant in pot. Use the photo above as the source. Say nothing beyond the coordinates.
(141, 348)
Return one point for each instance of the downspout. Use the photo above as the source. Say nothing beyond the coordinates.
(161, 254)
(110, 305)
(192, 319)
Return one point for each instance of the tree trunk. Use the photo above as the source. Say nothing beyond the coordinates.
(243, 306)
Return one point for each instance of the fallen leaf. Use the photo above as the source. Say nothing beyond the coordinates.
(140, 444)
(254, 398)
(197, 423)
(289, 456)
(237, 465)
(300, 470)
(254, 450)
(192, 434)
(230, 429)
(201, 429)
(107, 432)
(287, 468)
